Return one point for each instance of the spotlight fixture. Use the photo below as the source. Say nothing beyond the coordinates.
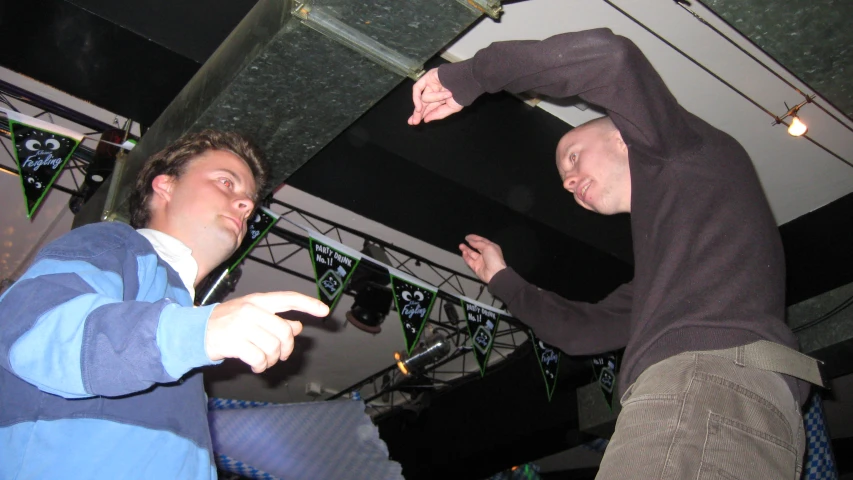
(797, 127)
(373, 297)
(428, 352)
(371, 306)
(99, 168)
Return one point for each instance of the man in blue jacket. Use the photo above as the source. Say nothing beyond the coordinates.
(99, 337)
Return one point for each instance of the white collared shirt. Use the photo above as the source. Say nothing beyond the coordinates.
(176, 254)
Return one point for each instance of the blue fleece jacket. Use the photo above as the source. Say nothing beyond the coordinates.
(97, 340)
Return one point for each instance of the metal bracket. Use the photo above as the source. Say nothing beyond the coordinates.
(320, 19)
(492, 8)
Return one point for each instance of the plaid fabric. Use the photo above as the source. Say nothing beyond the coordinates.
(228, 404)
(819, 463)
(228, 464)
(310, 441)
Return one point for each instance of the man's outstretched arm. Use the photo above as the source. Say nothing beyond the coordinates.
(577, 328)
(601, 68)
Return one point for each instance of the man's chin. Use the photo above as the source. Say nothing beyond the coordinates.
(228, 243)
(585, 206)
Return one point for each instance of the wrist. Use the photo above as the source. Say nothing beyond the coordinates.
(182, 338)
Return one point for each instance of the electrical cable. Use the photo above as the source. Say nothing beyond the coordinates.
(718, 78)
(826, 316)
(698, 17)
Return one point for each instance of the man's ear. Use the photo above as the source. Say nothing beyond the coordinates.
(162, 185)
(620, 143)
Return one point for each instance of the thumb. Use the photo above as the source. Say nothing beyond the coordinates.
(274, 302)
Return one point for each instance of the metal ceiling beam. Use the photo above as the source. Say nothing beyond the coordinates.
(288, 87)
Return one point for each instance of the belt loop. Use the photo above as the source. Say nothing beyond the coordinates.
(739, 356)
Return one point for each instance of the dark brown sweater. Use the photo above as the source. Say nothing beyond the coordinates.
(709, 271)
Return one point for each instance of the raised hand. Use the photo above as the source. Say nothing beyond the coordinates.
(432, 101)
(486, 259)
(249, 329)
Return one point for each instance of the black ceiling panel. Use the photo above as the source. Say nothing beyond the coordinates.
(190, 28)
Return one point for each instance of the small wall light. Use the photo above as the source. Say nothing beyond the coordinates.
(797, 127)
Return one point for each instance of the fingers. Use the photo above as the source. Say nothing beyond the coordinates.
(471, 258)
(274, 302)
(269, 341)
(247, 328)
(295, 326)
(429, 97)
(478, 242)
(417, 90)
(432, 97)
(467, 252)
(270, 348)
(253, 357)
(432, 101)
(415, 118)
(283, 330)
(445, 109)
(428, 109)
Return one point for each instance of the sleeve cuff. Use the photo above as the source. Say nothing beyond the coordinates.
(180, 337)
(459, 79)
(506, 284)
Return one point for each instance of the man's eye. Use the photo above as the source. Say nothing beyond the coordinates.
(226, 182)
(573, 157)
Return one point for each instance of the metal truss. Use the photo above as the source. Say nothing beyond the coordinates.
(285, 249)
(20, 100)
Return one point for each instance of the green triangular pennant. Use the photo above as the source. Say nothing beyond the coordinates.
(332, 269)
(605, 368)
(549, 362)
(256, 228)
(414, 301)
(41, 151)
(482, 324)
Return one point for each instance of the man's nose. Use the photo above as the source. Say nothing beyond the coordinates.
(244, 203)
(570, 182)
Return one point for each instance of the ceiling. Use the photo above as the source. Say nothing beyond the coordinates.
(489, 170)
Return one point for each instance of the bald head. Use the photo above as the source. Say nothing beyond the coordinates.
(603, 124)
(592, 160)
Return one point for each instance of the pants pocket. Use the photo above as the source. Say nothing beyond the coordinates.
(732, 448)
(644, 431)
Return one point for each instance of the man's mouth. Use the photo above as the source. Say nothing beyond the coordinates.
(236, 223)
(582, 192)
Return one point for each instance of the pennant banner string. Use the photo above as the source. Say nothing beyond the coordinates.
(406, 276)
(41, 124)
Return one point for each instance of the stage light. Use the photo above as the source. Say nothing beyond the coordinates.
(371, 306)
(428, 352)
(373, 297)
(99, 168)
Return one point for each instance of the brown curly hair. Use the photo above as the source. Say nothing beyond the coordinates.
(173, 161)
